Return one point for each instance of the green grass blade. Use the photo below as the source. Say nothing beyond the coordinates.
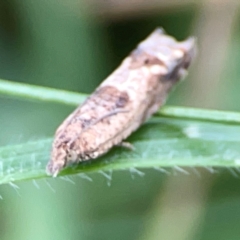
(200, 114)
(31, 92)
(176, 136)
(161, 142)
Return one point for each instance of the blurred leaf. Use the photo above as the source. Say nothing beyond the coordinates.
(161, 142)
(175, 137)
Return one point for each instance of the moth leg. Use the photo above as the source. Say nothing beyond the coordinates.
(127, 145)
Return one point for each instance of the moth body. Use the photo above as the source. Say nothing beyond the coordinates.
(125, 100)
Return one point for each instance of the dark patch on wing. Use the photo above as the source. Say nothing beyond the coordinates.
(141, 58)
(122, 100)
(111, 98)
(176, 73)
(86, 122)
(107, 93)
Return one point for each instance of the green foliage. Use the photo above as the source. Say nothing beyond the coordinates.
(60, 44)
(175, 137)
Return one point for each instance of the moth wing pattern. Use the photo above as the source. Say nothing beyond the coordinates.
(125, 100)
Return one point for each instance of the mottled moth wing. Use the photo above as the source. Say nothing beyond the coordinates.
(127, 98)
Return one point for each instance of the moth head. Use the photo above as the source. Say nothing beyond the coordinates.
(58, 160)
(63, 154)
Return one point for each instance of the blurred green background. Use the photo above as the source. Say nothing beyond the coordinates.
(74, 45)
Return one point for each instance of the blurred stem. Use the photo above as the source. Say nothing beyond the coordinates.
(214, 27)
(200, 114)
(30, 92)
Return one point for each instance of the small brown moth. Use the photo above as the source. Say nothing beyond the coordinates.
(125, 100)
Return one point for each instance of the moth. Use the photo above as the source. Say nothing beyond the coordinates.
(125, 100)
